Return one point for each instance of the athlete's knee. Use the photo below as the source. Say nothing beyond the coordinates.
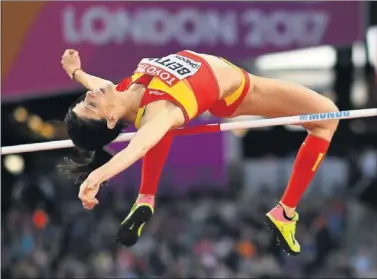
(324, 129)
(333, 123)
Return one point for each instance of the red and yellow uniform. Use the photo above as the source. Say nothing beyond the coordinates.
(186, 80)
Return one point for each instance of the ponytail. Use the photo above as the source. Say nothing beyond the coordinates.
(78, 169)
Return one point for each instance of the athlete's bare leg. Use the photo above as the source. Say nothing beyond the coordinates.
(275, 98)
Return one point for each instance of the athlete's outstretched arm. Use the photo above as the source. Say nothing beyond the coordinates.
(72, 65)
(90, 82)
(144, 140)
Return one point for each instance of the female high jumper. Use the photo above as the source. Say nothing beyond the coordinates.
(164, 94)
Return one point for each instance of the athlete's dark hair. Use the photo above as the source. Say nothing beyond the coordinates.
(89, 136)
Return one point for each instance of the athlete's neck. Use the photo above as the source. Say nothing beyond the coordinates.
(130, 102)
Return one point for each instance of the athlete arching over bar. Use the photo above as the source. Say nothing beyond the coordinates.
(164, 94)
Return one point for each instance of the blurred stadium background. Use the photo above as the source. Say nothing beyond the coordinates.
(211, 201)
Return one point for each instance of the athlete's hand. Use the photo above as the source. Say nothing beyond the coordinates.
(71, 61)
(89, 189)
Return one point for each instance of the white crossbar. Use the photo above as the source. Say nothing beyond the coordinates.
(249, 124)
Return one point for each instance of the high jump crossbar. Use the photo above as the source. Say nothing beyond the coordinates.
(209, 128)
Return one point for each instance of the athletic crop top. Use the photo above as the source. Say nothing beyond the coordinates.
(184, 79)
